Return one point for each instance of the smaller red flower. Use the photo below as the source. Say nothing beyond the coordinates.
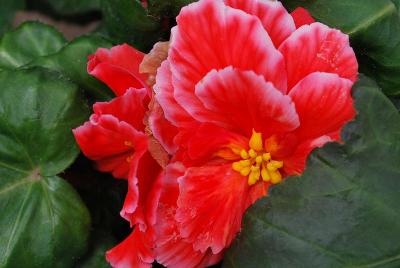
(115, 138)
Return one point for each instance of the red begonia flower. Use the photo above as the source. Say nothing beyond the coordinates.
(115, 138)
(250, 95)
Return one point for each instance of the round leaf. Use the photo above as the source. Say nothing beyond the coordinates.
(43, 222)
(29, 41)
(71, 61)
(345, 208)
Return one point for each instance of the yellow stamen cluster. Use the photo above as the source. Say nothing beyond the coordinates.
(257, 163)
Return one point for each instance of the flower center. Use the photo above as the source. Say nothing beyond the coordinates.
(256, 163)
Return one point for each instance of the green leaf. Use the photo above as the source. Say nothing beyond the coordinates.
(7, 11)
(345, 208)
(71, 61)
(129, 21)
(29, 41)
(43, 222)
(374, 28)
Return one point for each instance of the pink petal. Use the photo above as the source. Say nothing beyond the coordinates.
(302, 17)
(131, 107)
(162, 129)
(318, 48)
(324, 104)
(211, 36)
(118, 67)
(273, 16)
(165, 97)
(134, 251)
(242, 101)
(211, 205)
(115, 145)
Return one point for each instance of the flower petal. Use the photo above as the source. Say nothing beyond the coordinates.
(134, 251)
(209, 36)
(130, 107)
(242, 101)
(118, 67)
(209, 141)
(165, 97)
(152, 61)
(143, 193)
(171, 250)
(162, 129)
(318, 48)
(273, 16)
(296, 162)
(211, 205)
(324, 104)
(115, 145)
(301, 17)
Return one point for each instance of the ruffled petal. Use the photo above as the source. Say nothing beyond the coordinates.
(318, 48)
(295, 163)
(130, 107)
(242, 101)
(162, 129)
(211, 36)
(118, 68)
(134, 251)
(302, 17)
(165, 97)
(143, 192)
(171, 250)
(115, 145)
(211, 205)
(273, 16)
(324, 104)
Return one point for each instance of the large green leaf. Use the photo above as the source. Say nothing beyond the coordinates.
(344, 211)
(7, 11)
(29, 41)
(71, 61)
(374, 28)
(43, 222)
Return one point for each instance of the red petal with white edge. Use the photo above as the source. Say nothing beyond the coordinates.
(143, 192)
(273, 16)
(134, 251)
(165, 97)
(211, 205)
(162, 129)
(130, 107)
(115, 146)
(324, 104)
(171, 250)
(301, 17)
(242, 101)
(118, 68)
(209, 36)
(296, 162)
(318, 48)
